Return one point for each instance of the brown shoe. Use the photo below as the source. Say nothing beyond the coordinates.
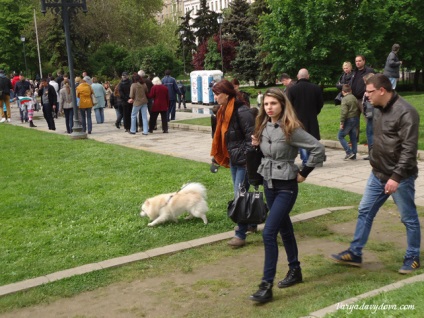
(236, 242)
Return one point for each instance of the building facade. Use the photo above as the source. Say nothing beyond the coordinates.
(173, 9)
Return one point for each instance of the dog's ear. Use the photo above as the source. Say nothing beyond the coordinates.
(147, 203)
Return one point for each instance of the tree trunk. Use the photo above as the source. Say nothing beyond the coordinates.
(417, 79)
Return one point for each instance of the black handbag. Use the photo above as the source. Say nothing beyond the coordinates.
(248, 207)
(253, 160)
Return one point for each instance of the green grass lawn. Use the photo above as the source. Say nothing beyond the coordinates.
(330, 115)
(68, 202)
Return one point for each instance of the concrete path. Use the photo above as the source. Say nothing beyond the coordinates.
(194, 143)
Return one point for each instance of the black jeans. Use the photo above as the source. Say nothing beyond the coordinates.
(48, 115)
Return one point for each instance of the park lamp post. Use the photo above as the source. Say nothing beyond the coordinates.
(67, 8)
(26, 67)
(220, 19)
(182, 41)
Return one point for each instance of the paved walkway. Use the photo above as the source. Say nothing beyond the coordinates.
(194, 143)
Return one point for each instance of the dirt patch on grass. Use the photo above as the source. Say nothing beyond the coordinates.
(221, 288)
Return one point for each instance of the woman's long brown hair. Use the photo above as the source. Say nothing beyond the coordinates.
(288, 120)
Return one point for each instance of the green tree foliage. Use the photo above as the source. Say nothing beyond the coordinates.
(154, 60)
(205, 23)
(246, 65)
(238, 23)
(320, 35)
(108, 60)
(187, 46)
(213, 57)
(14, 16)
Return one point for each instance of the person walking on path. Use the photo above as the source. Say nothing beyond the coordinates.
(138, 98)
(392, 66)
(66, 105)
(181, 97)
(173, 91)
(278, 133)
(357, 82)
(231, 141)
(393, 158)
(84, 92)
(124, 93)
(160, 96)
(99, 108)
(307, 100)
(349, 114)
(5, 88)
(48, 101)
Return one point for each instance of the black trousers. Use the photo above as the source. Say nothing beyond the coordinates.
(153, 120)
(48, 115)
(127, 109)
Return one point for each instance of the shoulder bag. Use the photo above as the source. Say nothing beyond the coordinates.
(94, 99)
(248, 207)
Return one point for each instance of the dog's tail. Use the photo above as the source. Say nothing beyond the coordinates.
(194, 187)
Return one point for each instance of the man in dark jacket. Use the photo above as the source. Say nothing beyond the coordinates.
(391, 69)
(173, 91)
(124, 93)
(181, 97)
(48, 101)
(393, 158)
(5, 88)
(307, 100)
(20, 91)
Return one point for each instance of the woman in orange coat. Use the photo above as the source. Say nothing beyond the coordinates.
(84, 92)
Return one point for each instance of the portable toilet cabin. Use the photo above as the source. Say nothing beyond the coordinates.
(196, 87)
(207, 78)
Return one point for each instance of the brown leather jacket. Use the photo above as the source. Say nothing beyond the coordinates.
(394, 151)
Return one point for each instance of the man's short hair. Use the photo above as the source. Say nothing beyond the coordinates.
(346, 88)
(168, 72)
(379, 81)
(284, 76)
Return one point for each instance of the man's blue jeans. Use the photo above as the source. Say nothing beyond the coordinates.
(349, 128)
(374, 197)
(280, 202)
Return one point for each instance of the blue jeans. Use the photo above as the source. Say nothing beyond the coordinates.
(349, 128)
(370, 133)
(86, 119)
(69, 120)
(374, 197)
(134, 113)
(239, 177)
(280, 201)
(100, 115)
(304, 156)
(393, 81)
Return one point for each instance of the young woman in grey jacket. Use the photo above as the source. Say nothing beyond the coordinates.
(279, 134)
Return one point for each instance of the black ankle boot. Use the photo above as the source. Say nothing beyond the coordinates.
(31, 124)
(264, 293)
(293, 277)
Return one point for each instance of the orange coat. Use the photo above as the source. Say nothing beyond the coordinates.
(84, 92)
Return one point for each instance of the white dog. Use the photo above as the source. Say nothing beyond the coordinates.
(163, 207)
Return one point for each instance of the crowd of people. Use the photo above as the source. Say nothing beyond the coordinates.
(138, 100)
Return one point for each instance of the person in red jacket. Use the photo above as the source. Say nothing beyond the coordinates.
(159, 94)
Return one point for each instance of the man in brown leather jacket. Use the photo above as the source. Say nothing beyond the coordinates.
(393, 158)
